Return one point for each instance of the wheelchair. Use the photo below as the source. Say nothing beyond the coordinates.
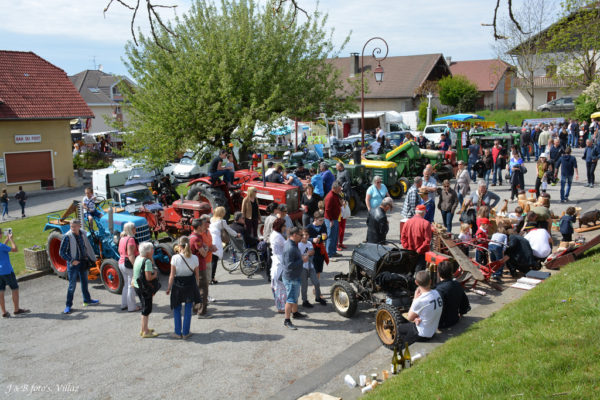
(236, 254)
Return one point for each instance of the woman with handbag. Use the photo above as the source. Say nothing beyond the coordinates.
(218, 230)
(376, 193)
(183, 287)
(516, 169)
(144, 274)
(277, 242)
(462, 186)
(251, 212)
(128, 251)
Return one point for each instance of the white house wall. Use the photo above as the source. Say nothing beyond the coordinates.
(541, 96)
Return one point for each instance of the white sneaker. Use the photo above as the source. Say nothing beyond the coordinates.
(211, 299)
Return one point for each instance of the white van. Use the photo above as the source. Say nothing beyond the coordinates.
(103, 180)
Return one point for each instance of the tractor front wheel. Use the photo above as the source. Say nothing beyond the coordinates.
(396, 190)
(111, 276)
(343, 298)
(387, 321)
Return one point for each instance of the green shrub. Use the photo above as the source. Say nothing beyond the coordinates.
(90, 160)
(423, 113)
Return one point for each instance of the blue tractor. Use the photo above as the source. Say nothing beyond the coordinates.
(104, 236)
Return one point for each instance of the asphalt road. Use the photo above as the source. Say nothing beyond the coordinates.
(243, 352)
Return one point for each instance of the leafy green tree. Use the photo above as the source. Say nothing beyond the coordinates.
(588, 102)
(220, 69)
(574, 42)
(458, 92)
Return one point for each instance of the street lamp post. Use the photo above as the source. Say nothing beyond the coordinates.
(378, 72)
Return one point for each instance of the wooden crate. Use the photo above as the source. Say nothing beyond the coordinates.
(36, 260)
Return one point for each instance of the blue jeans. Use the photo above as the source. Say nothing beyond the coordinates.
(496, 254)
(4, 209)
(542, 150)
(497, 174)
(292, 290)
(572, 140)
(486, 176)
(74, 272)
(447, 217)
(472, 175)
(225, 173)
(564, 195)
(332, 236)
(187, 319)
(525, 153)
(461, 198)
(536, 149)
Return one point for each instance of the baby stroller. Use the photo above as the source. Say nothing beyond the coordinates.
(236, 254)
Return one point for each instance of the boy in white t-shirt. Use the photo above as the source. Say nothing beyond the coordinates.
(425, 312)
(308, 271)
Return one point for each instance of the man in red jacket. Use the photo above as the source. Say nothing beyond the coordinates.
(333, 208)
(416, 236)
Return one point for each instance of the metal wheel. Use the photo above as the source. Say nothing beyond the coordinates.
(231, 258)
(250, 262)
(343, 298)
(111, 276)
(396, 190)
(387, 320)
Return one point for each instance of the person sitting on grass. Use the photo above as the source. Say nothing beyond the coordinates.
(456, 302)
(425, 312)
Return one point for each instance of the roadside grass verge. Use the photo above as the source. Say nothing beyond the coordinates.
(544, 345)
(27, 233)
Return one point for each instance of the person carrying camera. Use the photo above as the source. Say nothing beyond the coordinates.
(7, 275)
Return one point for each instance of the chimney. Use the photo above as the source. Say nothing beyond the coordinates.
(449, 60)
(353, 64)
(100, 67)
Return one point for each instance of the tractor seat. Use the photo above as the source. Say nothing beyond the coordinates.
(59, 222)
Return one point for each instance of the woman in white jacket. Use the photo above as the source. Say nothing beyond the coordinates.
(217, 225)
(462, 186)
(277, 242)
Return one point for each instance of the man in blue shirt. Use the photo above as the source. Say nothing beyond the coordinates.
(590, 155)
(7, 275)
(328, 178)
(289, 178)
(292, 264)
(317, 181)
(567, 164)
(77, 251)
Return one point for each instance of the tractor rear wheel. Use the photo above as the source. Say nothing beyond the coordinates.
(211, 195)
(396, 190)
(354, 203)
(163, 253)
(387, 321)
(405, 184)
(58, 264)
(343, 298)
(111, 276)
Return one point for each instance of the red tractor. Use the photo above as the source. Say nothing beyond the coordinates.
(216, 193)
(175, 219)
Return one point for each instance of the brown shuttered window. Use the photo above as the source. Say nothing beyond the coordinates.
(28, 166)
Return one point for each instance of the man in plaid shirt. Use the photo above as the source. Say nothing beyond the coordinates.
(412, 198)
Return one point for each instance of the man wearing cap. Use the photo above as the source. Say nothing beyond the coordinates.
(77, 251)
(543, 173)
(377, 223)
(412, 199)
(416, 236)
(301, 172)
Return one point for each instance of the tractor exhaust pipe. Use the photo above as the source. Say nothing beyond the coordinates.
(111, 221)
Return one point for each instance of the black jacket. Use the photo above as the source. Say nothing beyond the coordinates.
(377, 226)
(455, 301)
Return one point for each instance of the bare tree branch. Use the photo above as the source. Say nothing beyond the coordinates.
(494, 23)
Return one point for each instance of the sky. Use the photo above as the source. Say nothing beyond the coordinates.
(76, 35)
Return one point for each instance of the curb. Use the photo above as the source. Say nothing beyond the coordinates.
(33, 275)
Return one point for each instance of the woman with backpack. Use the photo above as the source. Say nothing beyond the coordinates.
(183, 287)
(128, 251)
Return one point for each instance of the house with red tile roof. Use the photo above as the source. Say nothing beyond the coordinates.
(37, 102)
(399, 91)
(494, 80)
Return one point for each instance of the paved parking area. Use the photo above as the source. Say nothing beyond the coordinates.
(243, 352)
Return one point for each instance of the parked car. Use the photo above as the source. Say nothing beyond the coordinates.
(395, 138)
(561, 104)
(433, 133)
(186, 169)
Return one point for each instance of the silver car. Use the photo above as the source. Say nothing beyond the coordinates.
(561, 104)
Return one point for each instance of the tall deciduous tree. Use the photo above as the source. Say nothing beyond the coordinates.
(523, 48)
(574, 42)
(458, 92)
(226, 67)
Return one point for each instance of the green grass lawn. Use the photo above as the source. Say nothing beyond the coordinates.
(543, 346)
(27, 233)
